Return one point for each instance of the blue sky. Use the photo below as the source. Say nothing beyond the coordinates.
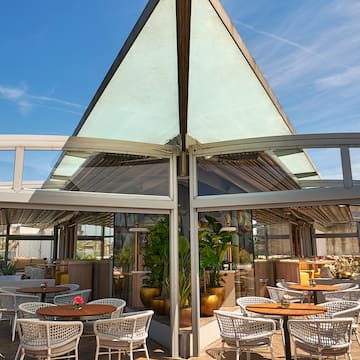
(55, 54)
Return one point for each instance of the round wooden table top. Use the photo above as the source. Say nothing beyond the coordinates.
(68, 311)
(43, 290)
(317, 287)
(294, 309)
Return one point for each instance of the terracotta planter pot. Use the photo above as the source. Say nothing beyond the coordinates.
(147, 294)
(185, 316)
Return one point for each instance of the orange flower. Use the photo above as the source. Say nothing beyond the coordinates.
(78, 300)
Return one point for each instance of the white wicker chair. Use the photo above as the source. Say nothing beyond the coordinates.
(64, 299)
(341, 309)
(353, 295)
(118, 303)
(242, 333)
(277, 294)
(10, 289)
(125, 334)
(28, 310)
(347, 286)
(72, 288)
(48, 339)
(247, 300)
(285, 284)
(322, 337)
(9, 305)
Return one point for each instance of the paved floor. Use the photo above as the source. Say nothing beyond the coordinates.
(87, 349)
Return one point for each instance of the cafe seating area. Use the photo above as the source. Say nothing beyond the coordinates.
(52, 330)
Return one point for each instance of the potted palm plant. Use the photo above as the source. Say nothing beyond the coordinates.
(156, 259)
(213, 244)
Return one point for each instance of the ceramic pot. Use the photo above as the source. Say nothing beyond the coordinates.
(147, 294)
(208, 304)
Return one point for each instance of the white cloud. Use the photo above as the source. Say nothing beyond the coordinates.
(11, 93)
(340, 79)
(25, 101)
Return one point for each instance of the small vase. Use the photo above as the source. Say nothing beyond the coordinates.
(77, 306)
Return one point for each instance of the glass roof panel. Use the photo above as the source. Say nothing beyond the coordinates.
(226, 99)
(140, 103)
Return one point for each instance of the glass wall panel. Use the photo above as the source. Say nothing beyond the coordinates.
(226, 256)
(141, 260)
(7, 159)
(111, 173)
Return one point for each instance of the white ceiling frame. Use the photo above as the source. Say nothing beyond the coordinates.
(279, 199)
(271, 143)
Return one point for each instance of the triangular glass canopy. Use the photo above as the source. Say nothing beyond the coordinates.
(205, 68)
(140, 98)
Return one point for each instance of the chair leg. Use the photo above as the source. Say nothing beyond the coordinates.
(271, 352)
(17, 352)
(146, 352)
(13, 328)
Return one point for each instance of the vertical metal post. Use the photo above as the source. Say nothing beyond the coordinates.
(194, 248)
(174, 261)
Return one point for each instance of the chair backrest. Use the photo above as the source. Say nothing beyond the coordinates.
(24, 298)
(10, 289)
(119, 303)
(7, 302)
(347, 286)
(335, 308)
(132, 326)
(234, 326)
(277, 294)
(28, 310)
(322, 335)
(64, 299)
(72, 287)
(285, 284)
(349, 294)
(247, 300)
(44, 335)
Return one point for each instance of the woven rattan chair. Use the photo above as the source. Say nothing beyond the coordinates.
(322, 337)
(9, 305)
(48, 339)
(242, 333)
(341, 309)
(28, 310)
(118, 303)
(353, 295)
(277, 294)
(64, 299)
(125, 334)
(247, 300)
(347, 286)
(72, 288)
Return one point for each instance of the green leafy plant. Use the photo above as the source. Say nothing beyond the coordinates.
(8, 268)
(184, 272)
(213, 244)
(156, 254)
